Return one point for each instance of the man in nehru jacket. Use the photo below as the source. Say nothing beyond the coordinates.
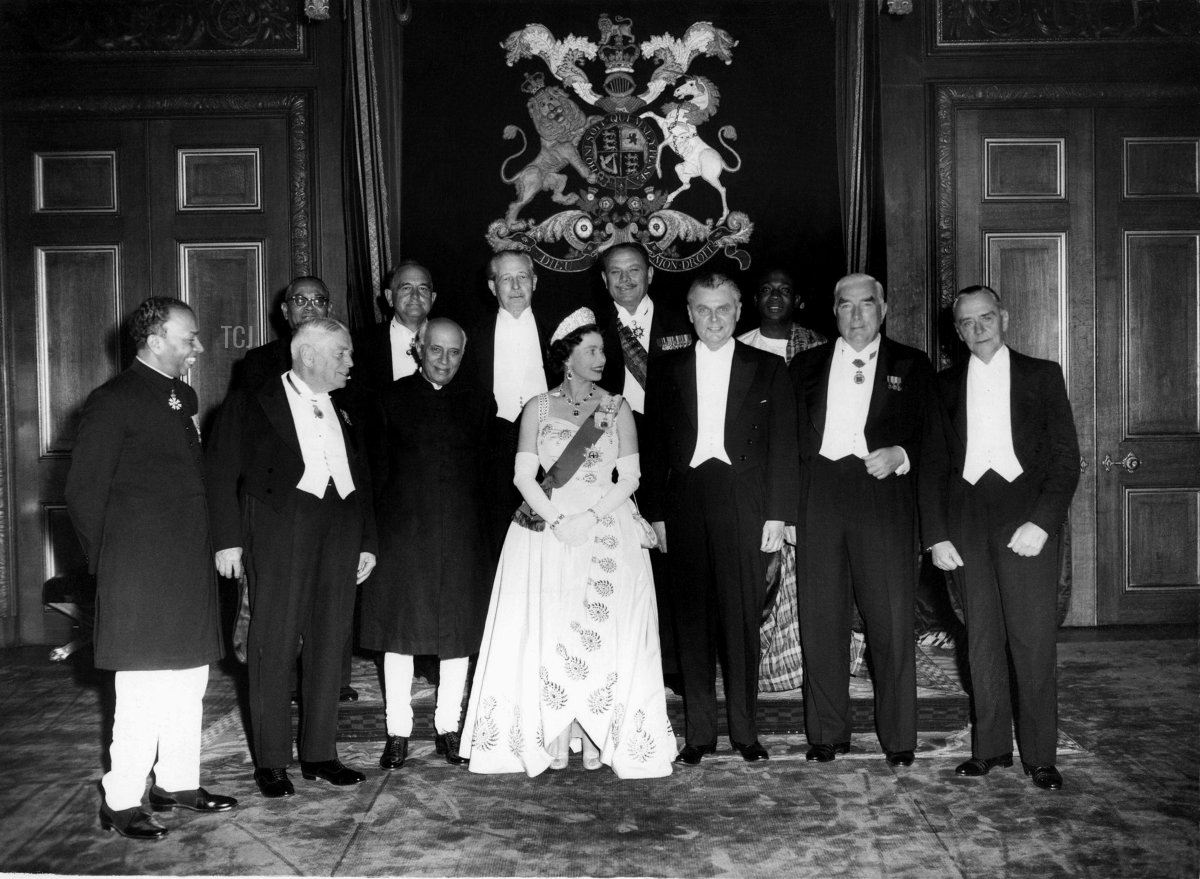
(993, 504)
(290, 498)
(507, 357)
(429, 593)
(721, 480)
(867, 410)
(135, 494)
(391, 348)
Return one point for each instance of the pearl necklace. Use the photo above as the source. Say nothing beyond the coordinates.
(575, 405)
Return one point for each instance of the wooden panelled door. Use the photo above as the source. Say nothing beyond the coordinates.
(1148, 364)
(99, 215)
(1087, 220)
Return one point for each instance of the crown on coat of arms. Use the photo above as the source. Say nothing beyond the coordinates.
(617, 155)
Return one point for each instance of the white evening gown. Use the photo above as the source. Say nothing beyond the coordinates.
(571, 634)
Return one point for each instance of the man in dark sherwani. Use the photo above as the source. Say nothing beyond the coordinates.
(135, 494)
(429, 595)
(289, 490)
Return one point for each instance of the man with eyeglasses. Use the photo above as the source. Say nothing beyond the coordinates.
(306, 298)
(990, 507)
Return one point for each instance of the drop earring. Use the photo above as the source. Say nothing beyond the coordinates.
(570, 374)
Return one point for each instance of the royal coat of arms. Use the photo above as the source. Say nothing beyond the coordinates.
(606, 169)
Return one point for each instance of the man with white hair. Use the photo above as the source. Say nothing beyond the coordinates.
(290, 503)
(867, 411)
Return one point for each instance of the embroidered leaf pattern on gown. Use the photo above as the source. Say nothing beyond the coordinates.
(575, 667)
(487, 734)
(552, 694)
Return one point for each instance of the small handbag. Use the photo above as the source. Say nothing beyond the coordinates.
(649, 538)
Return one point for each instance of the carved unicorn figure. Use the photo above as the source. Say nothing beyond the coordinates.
(679, 128)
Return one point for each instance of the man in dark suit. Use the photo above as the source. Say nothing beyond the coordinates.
(289, 483)
(993, 503)
(866, 410)
(507, 356)
(721, 480)
(306, 298)
(637, 331)
(390, 347)
(135, 494)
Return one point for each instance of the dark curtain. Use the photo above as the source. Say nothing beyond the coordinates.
(856, 26)
(365, 164)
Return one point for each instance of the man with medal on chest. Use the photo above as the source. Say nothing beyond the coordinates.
(867, 412)
(290, 500)
(135, 494)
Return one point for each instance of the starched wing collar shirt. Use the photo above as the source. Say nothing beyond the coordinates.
(712, 396)
(321, 442)
(404, 344)
(848, 400)
(989, 419)
(519, 376)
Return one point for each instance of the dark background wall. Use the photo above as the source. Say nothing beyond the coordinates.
(777, 93)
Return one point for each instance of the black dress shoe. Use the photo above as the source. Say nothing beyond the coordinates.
(692, 754)
(395, 752)
(1045, 777)
(826, 753)
(900, 758)
(446, 744)
(134, 823)
(751, 752)
(332, 771)
(198, 800)
(348, 694)
(977, 766)
(274, 783)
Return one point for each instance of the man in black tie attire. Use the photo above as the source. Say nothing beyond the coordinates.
(507, 357)
(993, 504)
(721, 479)
(637, 331)
(290, 500)
(391, 347)
(306, 298)
(867, 411)
(135, 494)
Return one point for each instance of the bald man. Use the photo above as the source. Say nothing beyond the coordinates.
(289, 499)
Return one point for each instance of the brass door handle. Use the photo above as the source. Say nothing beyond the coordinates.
(1129, 463)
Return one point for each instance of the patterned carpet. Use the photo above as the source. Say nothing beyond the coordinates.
(1130, 808)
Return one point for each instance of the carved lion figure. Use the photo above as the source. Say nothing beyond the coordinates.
(560, 123)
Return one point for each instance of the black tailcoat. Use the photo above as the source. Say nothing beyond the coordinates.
(714, 517)
(1010, 601)
(429, 593)
(670, 331)
(135, 494)
(479, 367)
(857, 539)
